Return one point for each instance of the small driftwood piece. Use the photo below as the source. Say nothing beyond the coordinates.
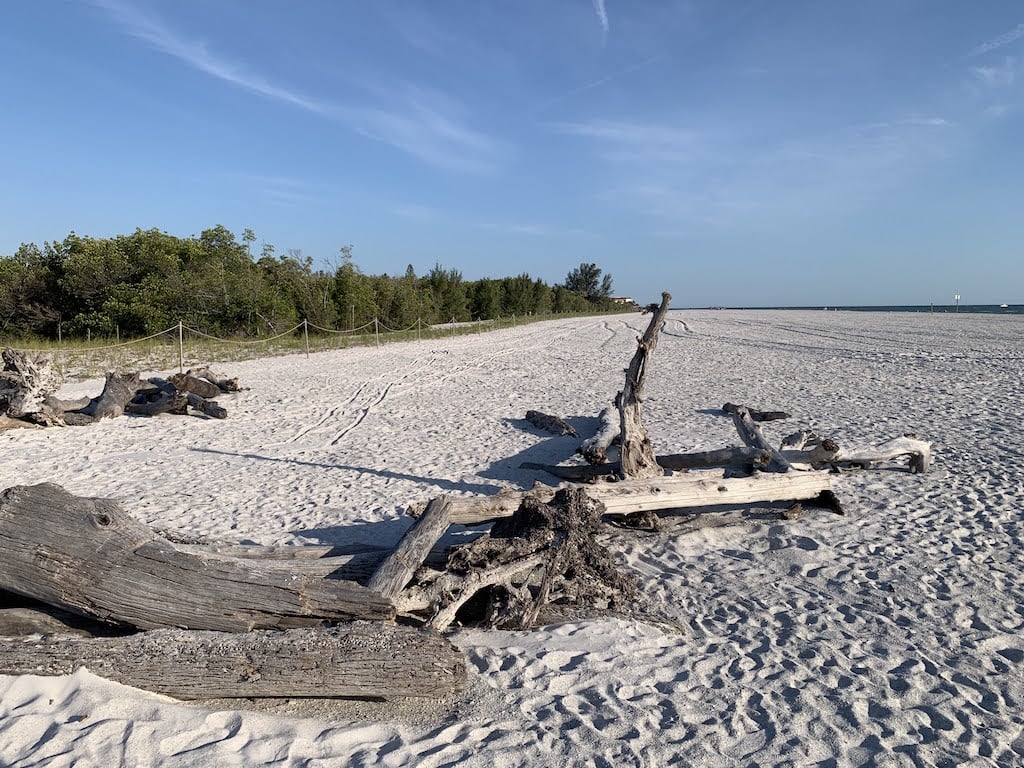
(685, 491)
(544, 552)
(90, 557)
(756, 415)
(751, 435)
(637, 453)
(548, 423)
(595, 449)
(357, 660)
(186, 382)
(223, 382)
(153, 401)
(118, 390)
(396, 571)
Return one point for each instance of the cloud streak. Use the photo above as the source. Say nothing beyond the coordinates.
(416, 124)
(996, 43)
(602, 15)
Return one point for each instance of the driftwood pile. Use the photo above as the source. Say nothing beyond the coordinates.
(249, 621)
(28, 386)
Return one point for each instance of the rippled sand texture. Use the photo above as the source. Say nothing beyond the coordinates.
(893, 636)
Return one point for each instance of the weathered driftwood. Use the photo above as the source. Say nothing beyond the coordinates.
(26, 384)
(744, 459)
(118, 390)
(395, 572)
(685, 491)
(919, 453)
(595, 449)
(544, 552)
(186, 382)
(752, 436)
(357, 660)
(154, 401)
(90, 557)
(637, 453)
(548, 423)
(206, 407)
(755, 414)
(223, 382)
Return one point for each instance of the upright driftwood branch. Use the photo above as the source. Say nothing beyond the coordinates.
(637, 454)
(90, 557)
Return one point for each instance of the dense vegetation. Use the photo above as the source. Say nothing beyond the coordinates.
(145, 282)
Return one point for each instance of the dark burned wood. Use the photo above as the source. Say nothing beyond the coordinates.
(357, 660)
(594, 450)
(396, 571)
(90, 557)
(545, 552)
(637, 453)
(152, 401)
(209, 408)
(548, 423)
(756, 415)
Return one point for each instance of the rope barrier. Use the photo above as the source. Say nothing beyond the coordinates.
(172, 329)
(241, 341)
(341, 333)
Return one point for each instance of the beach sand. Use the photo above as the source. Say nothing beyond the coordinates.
(893, 636)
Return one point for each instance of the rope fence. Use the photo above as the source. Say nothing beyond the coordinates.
(158, 350)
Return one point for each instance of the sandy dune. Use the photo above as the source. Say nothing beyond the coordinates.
(893, 636)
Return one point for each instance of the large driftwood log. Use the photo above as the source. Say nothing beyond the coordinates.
(358, 660)
(186, 382)
(595, 449)
(685, 491)
(118, 390)
(90, 557)
(637, 453)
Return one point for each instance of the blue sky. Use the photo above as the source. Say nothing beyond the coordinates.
(735, 153)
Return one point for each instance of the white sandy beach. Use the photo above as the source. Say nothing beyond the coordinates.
(893, 636)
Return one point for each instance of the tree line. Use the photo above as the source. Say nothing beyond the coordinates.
(140, 284)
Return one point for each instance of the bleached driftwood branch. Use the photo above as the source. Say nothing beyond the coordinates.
(694, 489)
(637, 453)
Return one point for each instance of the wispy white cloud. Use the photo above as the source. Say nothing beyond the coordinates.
(418, 122)
(599, 81)
(151, 30)
(998, 76)
(996, 43)
(602, 15)
(910, 122)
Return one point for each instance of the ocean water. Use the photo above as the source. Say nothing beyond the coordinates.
(984, 309)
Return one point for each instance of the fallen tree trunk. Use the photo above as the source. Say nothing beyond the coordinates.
(595, 449)
(637, 453)
(358, 660)
(118, 390)
(90, 557)
(694, 489)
